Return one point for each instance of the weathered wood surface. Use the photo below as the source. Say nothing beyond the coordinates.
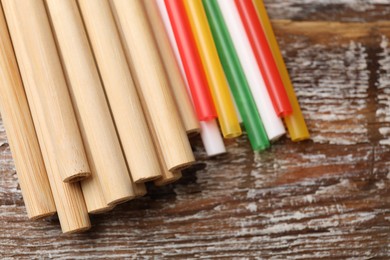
(324, 198)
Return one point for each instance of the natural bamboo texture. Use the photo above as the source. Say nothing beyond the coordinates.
(174, 176)
(30, 31)
(183, 101)
(152, 83)
(122, 95)
(46, 87)
(110, 175)
(22, 138)
(139, 189)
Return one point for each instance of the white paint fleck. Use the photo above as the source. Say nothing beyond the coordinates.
(332, 98)
(310, 199)
(380, 185)
(252, 207)
(282, 228)
(293, 8)
(383, 93)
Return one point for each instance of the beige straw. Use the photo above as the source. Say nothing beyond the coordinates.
(34, 45)
(152, 83)
(46, 87)
(120, 90)
(21, 134)
(110, 175)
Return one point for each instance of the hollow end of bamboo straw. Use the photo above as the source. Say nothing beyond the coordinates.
(140, 190)
(165, 181)
(76, 231)
(121, 200)
(147, 179)
(102, 210)
(182, 166)
(77, 177)
(42, 216)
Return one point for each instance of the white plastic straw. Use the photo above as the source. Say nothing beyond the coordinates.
(210, 133)
(272, 123)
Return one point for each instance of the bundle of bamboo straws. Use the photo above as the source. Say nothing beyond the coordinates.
(99, 96)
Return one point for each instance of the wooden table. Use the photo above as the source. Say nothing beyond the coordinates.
(324, 198)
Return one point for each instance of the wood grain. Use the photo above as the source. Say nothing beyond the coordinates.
(324, 198)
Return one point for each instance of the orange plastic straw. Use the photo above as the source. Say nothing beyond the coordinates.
(295, 122)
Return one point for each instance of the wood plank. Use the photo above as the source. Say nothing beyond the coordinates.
(330, 10)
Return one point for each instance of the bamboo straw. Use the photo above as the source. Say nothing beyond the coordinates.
(46, 89)
(272, 123)
(295, 123)
(120, 90)
(236, 77)
(264, 57)
(210, 133)
(223, 101)
(183, 102)
(167, 176)
(165, 181)
(152, 83)
(101, 141)
(68, 197)
(32, 39)
(140, 189)
(21, 134)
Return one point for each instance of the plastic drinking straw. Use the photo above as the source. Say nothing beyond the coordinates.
(211, 138)
(222, 98)
(264, 57)
(210, 134)
(197, 79)
(295, 122)
(272, 123)
(183, 102)
(21, 135)
(236, 77)
(236, 108)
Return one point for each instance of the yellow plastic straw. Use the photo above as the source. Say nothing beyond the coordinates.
(222, 98)
(295, 122)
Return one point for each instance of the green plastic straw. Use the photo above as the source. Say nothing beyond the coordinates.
(236, 77)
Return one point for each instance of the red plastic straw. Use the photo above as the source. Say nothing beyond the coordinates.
(264, 57)
(192, 62)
